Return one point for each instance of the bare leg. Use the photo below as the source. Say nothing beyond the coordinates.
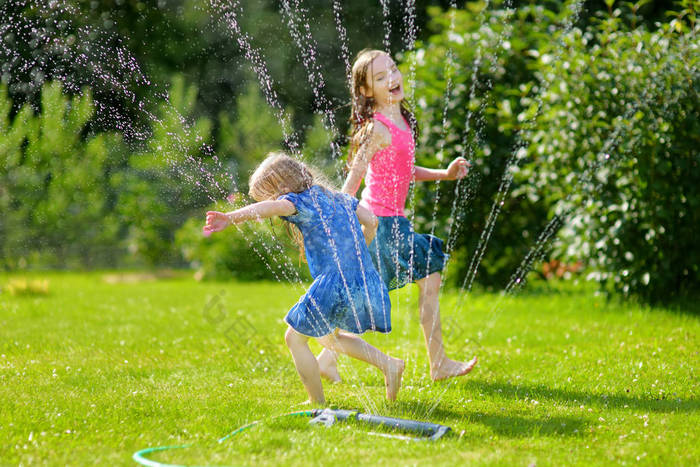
(356, 347)
(441, 367)
(306, 365)
(327, 363)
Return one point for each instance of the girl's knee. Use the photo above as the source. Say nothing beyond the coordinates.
(291, 337)
(430, 284)
(435, 279)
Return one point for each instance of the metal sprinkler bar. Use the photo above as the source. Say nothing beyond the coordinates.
(427, 430)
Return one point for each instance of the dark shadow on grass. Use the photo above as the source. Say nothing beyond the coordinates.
(666, 403)
(517, 427)
(512, 426)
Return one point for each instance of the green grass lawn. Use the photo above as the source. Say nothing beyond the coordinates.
(95, 370)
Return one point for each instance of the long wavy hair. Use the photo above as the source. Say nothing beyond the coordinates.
(280, 174)
(362, 107)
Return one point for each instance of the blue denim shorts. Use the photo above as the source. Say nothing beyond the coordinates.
(402, 256)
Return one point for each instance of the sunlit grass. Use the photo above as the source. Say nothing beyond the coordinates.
(97, 369)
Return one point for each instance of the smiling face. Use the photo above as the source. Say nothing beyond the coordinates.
(384, 82)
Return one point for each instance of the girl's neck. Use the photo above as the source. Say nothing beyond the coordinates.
(391, 111)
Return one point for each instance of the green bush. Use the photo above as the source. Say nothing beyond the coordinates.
(73, 198)
(615, 147)
(535, 102)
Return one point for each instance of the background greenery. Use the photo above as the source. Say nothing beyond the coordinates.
(122, 122)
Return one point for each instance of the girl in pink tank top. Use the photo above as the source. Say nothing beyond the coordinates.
(382, 152)
(390, 172)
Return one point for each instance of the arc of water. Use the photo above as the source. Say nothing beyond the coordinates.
(449, 68)
(275, 255)
(105, 76)
(507, 178)
(308, 54)
(343, 36)
(471, 144)
(503, 187)
(229, 18)
(386, 14)
(448, 71)
(411, 32)
(308, 50)
(516, 281)
(497, 204)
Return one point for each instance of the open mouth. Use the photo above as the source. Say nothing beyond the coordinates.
(395, 89)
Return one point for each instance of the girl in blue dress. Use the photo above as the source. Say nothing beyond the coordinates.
(347, 296)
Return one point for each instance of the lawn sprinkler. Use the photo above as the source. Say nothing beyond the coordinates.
(426, 430)
(326, 417)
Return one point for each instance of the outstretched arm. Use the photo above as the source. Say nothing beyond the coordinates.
(369, 223)
(218, 221)
(457, 169)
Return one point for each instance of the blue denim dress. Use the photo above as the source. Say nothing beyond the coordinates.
(347, 291)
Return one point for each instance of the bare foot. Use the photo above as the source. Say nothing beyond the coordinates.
(310, 403)
(392, 378)
(450, 368)
(327, 365)
(331, 374)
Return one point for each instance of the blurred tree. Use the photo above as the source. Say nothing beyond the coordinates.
(170, 180)
(127, 51)
(56, 194)
(247, 133)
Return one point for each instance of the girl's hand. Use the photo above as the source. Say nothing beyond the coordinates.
(457, 169)
(369, 223)
(216, 222)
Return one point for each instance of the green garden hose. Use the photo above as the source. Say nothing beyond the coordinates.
(139, 456)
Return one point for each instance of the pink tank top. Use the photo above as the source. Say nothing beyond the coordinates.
(390, 172)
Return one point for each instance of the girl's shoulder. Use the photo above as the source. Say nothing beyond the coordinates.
(317, 201)
(317, 192)
(381, 131)
(376, 135)
(320, 192)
